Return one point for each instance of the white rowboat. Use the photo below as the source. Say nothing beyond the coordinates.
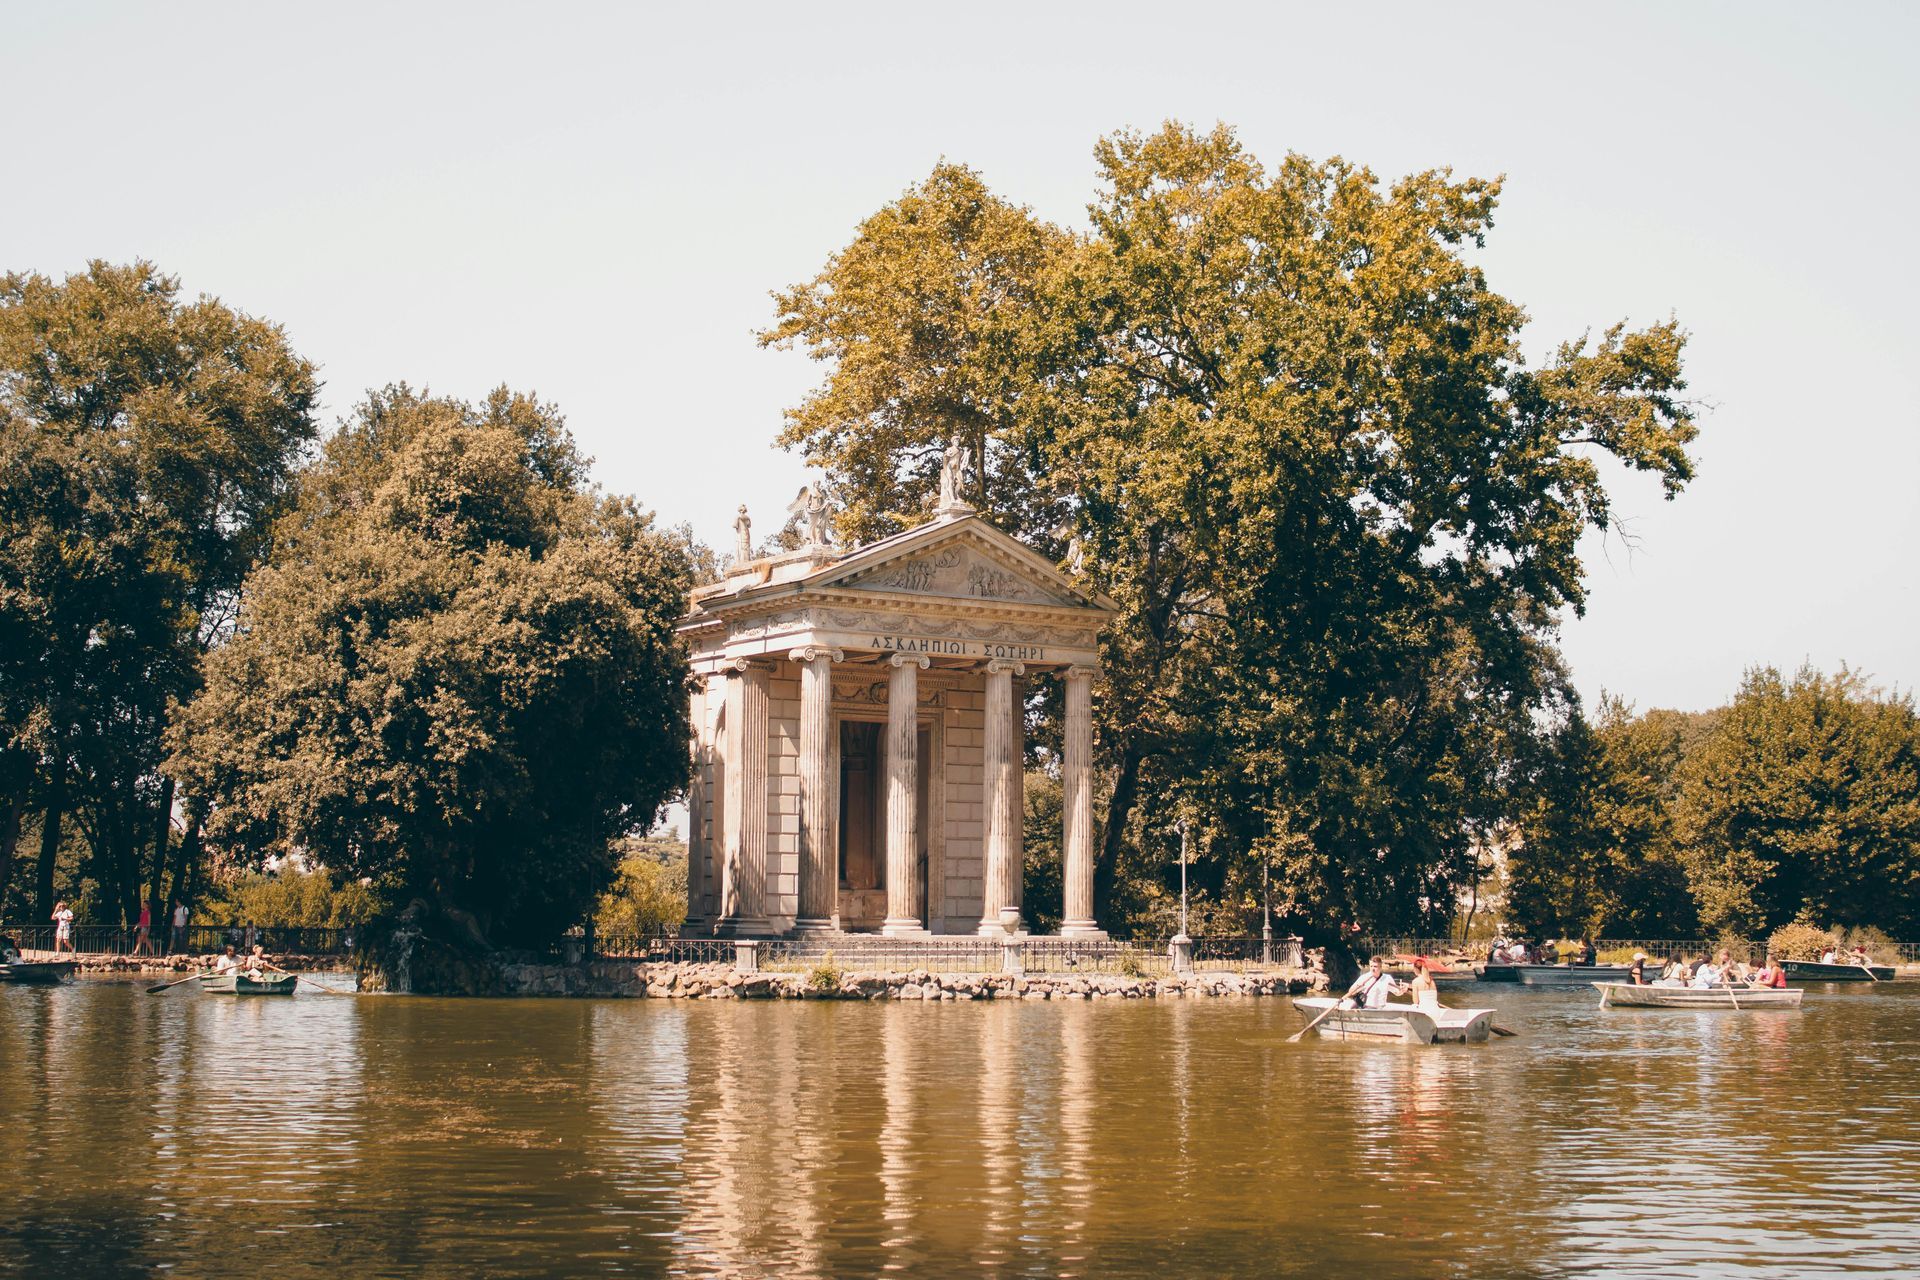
(1406, 1023)
(1625, 993)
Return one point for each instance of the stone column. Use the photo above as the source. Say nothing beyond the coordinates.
(697, 846)
(903, 797)
(743, 875)
(1005, 803)
(1076, 804)
(819, 832)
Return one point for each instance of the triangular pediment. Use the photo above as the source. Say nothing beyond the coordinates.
(963, 559)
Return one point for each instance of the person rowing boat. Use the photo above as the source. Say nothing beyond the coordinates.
(1371, 989)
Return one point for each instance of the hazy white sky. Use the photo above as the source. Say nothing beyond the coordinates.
(594, 203)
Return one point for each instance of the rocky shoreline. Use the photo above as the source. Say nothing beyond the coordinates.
(714, 981)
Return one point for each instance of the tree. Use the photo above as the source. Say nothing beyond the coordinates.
(1598, 853)
(648, 898)
(1803, 803)
(456, 676)
(146, 446)
(1291, 426)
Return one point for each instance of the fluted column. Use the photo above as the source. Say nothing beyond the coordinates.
(903, 797)
(698, 848)
(1076, 805)
(1006, 806)
(819, 842)
(743, 875)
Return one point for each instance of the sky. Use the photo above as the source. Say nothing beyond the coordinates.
(594, 203)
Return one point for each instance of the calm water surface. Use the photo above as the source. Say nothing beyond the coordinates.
(191, 1135)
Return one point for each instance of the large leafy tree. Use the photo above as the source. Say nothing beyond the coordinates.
(1804, 802)
(456, 675)
(1290, 424)
(147, 443)
(1597, 851)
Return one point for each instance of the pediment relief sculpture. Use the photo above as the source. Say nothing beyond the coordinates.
(960, 572)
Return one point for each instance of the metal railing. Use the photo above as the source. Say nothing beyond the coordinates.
(198, 939)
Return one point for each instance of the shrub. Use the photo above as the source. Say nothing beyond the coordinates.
(826, 975)
(1799, 942)
(1873, 941)
(1130, 966)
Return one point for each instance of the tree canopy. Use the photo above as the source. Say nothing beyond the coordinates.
(147, 444)
(1291, 427)
(456, 676)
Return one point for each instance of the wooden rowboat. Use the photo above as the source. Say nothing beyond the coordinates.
(1813, 971)
(239, 983)
(1740, 998)
(42, 971)
(1406, 1023)
(1556, 975)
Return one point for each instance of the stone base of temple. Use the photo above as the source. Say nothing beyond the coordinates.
(807, 928)
(743, 927)
(913, 930)
(1085, 930)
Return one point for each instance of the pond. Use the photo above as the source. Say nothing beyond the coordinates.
(329, 1136)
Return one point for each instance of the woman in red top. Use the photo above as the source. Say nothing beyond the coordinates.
(1768, 975)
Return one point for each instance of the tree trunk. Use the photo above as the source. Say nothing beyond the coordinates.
(9, 839)
(50, 843)
(183, 865)
(1126, 786)
(161, 839)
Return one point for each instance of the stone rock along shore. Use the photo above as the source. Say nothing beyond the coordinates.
(724, 982)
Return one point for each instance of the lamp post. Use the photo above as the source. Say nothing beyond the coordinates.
(1181, 948)
(1266, 910)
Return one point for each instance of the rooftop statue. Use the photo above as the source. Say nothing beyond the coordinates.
(811, 505)
(742, 536)
(953, 467)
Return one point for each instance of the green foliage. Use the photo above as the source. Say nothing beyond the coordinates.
(146, 445)
(825, 976)
(1803, 802)
(1799, 941)
(1597, 852)
(456, 676)
(1289, 424)
(290, 897)
(648, 897)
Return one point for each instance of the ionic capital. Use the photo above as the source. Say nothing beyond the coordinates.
(1080, 671)
(997, 665)
(742, 665)
(807, 653)
(919, 660)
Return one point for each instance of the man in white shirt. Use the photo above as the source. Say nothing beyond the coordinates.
(1371, 989)
(1707, 974)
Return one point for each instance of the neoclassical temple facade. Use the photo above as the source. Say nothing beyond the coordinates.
(857, 735)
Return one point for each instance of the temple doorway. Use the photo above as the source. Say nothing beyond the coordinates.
(863, 824)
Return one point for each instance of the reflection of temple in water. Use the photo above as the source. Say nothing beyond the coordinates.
(857, 722)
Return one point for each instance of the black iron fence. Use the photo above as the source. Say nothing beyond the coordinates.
(195, 939)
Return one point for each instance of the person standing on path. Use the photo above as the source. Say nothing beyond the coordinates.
(62, 927)
(143, 931)
(179, 926)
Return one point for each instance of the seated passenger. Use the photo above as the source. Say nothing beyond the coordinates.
(228, 962)
(1768, 975)
(1706, 974)
(1637, 971)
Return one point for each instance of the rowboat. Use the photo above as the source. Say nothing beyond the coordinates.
(36, 970)
(1556, 975)
(1812, 971)
(239, 983)
(1742, 998)
(1406, 1023)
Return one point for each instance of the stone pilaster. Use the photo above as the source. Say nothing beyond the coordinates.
(698, 847)
(819, 832)
(1076, 780)
(743, 874)
(903, 797)
(1005, 801)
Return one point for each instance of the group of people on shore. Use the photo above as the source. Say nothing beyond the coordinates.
(1719, 971)
(142, 929)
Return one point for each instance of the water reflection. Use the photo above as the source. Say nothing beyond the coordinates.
(325, 1136)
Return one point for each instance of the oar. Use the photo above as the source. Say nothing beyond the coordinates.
(321, 986)
(1499, 1030)
(1870, 972)
(1324, 1014)
(1736, 999)
(168, 986)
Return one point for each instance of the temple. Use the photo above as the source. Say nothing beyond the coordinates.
(857, 724)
